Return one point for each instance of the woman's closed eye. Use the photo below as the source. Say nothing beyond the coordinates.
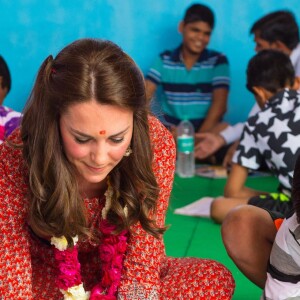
(117, 140)
(81, 140)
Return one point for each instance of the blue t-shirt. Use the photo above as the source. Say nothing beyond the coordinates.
(188, 93)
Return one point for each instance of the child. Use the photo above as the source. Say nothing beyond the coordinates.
(194, 79)
(277, 30)
(271, 136)
(283, 277)
(9, 119)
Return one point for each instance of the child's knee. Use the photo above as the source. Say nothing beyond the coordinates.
(217, 208)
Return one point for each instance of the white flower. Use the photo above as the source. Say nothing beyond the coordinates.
(60, 243)
(76, 293)
(75, 239)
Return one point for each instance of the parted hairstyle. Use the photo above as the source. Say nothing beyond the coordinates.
(271, 70)
(199, 12)
(280, 26)
(84, 70)
(5, 74)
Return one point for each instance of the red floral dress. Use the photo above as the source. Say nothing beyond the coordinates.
(27, 266)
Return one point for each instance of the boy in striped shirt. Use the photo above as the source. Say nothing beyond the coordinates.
(194, 79)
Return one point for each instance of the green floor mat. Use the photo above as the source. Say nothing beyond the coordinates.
(201, 237)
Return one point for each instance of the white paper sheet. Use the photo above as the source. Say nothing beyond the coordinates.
(199, 208)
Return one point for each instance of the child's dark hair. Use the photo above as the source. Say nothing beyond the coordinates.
(278, 26)
(296, 189)
(199, 12)
(271, 70)
(5, 74)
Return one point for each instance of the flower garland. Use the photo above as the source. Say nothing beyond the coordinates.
(111, 252)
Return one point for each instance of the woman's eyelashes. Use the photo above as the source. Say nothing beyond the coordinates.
(115, 140)
(81, 140)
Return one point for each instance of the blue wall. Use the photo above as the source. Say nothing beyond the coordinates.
(33, 29)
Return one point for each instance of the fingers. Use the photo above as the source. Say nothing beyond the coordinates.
(203, 151)
(200, 154)
(202, 134)
(227, 161)
(229, 155)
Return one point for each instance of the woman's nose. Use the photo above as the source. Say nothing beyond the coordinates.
(99, 153)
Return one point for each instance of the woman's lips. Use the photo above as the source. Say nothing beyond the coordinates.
(95, 169)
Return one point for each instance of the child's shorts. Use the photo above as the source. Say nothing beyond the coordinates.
(273, 202)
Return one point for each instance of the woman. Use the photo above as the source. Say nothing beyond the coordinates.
(84, 195)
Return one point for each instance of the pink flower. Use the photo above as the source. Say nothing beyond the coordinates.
(69, 270)
(104, 297)
(106, 227)
(113, 288)
(112, 239)
(117, 262)
(106, 252)
(68, 256)
(64, 281)
(111, 253)
(108, 297)
(106, 279)
(115, 274)
(97, 292)
(122, 245)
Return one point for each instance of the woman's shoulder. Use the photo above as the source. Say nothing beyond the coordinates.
(163, 144)
(12, 145)
(12, 163)
(159, 133)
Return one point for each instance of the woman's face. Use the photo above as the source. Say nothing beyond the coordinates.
(95, 138)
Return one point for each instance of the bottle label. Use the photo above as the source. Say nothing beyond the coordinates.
(185, 143)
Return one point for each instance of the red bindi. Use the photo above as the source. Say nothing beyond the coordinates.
(102, 132)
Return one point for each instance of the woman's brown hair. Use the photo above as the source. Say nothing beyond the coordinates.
(84, 70)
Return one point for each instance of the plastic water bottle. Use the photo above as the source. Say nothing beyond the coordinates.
(185, 149)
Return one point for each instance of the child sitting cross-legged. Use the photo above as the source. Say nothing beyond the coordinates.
(283, 276)
(271, 136)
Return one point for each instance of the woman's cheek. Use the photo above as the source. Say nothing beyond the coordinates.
(75, 150)
(118, 154)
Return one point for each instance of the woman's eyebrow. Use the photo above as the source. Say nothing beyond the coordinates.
(88, 136)
(80, 133)
(121, 132)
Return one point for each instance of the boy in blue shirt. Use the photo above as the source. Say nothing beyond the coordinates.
(194, 79)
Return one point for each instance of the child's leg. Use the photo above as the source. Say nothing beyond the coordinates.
(221, 206)
(275, 202)
(248, 233)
